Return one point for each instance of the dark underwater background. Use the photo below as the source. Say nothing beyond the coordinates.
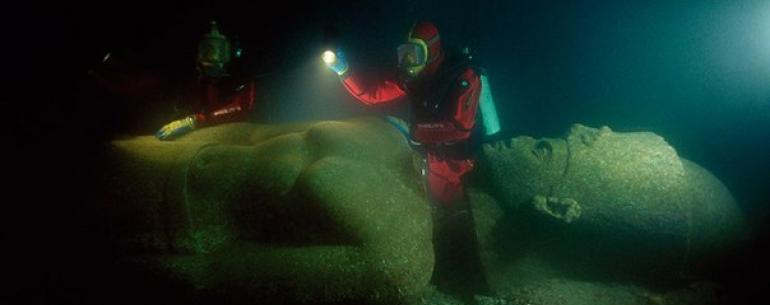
(695, 72)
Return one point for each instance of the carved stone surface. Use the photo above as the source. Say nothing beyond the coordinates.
(308, 213)
(335, 212)
(599, 204)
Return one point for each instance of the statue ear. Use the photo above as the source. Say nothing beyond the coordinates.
(543, 150)
(566, 210)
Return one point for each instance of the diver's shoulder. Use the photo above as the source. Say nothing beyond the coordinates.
(460, 61)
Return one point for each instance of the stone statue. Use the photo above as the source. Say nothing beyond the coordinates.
(335, 212)
(599, 204)
(307, 213)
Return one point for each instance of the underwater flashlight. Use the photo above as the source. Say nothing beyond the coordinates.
(329, 57)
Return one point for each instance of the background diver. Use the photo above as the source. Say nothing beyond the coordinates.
(218, 96)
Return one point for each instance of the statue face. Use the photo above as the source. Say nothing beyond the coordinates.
(630, 192)
(598, 160)
(521, 167)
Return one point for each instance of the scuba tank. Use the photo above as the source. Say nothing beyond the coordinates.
(489, 119)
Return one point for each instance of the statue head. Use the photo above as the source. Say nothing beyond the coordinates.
(629, 192)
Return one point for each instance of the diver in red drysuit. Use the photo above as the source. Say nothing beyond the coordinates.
(444, 98)
(221, 98)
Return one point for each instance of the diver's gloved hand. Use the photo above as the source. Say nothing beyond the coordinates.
(176, 128)
(337, 63)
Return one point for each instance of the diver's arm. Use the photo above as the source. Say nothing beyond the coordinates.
(464, 97)
(384, 92)
(237, 109)
(370, 95)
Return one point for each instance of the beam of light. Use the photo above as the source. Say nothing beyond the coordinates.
(329, 57)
